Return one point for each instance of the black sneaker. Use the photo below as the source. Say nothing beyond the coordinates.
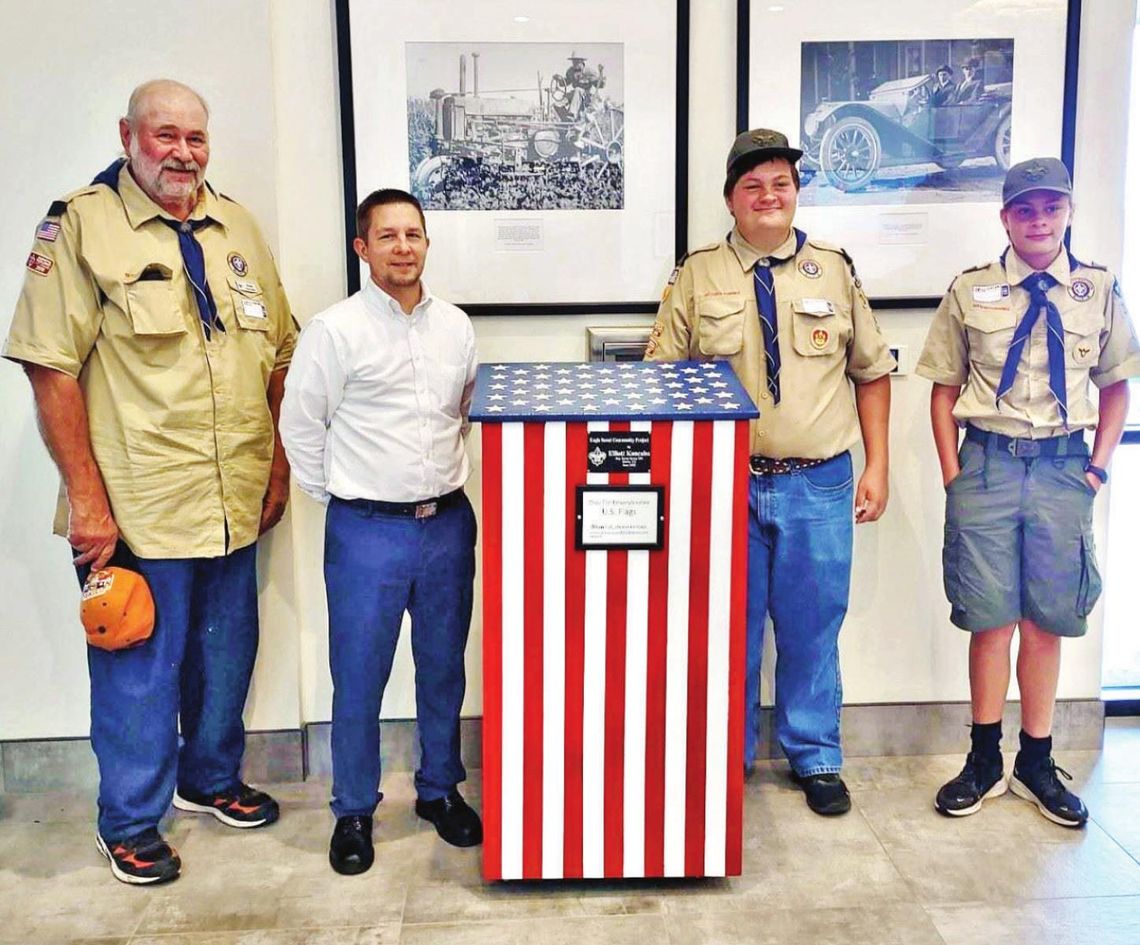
(350, 850)
(826, 793)
(980, 779)
(454, 819)
(1038, 783)
(242, 806)
(142, 859)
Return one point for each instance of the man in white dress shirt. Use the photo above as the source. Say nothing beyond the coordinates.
(373, 421)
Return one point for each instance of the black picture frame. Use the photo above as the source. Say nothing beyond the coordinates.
(1068, 106)
(645, 305)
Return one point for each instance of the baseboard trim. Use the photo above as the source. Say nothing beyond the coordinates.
(930, 728)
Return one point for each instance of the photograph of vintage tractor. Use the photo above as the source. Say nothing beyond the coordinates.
(557, 144)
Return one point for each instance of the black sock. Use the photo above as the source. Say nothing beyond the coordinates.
(1034, 749)
(985, 739)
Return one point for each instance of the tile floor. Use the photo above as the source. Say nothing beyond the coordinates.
(892, 872)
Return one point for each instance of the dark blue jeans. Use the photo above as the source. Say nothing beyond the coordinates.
(195, 668)
(800, 531)
(376, 567)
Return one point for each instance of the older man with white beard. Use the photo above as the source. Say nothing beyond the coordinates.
(156, 335)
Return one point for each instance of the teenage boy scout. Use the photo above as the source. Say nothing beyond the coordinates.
(789, 315)
(155, 332)
(1011, 352)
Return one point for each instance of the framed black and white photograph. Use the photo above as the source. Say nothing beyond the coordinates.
(908, 116)
(547, 146)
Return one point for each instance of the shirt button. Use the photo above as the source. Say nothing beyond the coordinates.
(764, 395)
(760, 433)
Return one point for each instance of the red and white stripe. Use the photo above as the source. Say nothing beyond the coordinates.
(613, 681)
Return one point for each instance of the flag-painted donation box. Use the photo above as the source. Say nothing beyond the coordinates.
(614, 566)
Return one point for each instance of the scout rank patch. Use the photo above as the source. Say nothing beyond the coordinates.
(238, 264)
(41, 265)
(810, 268)
(1081, 289)
(819, 338)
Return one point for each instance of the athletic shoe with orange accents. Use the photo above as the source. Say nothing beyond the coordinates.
(142, 859)
(241, 806)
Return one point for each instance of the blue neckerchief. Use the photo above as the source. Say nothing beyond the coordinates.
(1037, 285)
(765, 289)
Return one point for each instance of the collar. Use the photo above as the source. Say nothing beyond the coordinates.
(748, 255)
(380, 301)
(140, 208)
(1017, 270)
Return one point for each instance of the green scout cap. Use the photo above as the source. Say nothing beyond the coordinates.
(1035, 174)
(760, 144)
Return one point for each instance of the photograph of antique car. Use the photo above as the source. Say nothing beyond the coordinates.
(516, 126)
(905, 121)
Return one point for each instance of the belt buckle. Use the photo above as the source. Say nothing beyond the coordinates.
(426, 509)
(1021, 448)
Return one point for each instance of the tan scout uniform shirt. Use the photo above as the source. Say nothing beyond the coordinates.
(180, 425)
(826, 334)
(973, 328)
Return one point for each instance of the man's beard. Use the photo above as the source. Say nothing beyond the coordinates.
(149, 175)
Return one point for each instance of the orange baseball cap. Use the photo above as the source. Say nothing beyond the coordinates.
(117, 609)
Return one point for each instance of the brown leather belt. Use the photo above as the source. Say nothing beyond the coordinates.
(766, 466)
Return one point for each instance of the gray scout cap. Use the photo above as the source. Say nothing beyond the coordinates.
(760, 144)
(1035, 174)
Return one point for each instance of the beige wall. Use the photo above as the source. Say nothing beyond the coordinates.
(269, 71)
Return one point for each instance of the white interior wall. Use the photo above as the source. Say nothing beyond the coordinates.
(270, 76)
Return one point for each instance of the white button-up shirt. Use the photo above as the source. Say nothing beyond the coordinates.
(376, 400)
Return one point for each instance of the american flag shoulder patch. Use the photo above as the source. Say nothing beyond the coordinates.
(48, 231)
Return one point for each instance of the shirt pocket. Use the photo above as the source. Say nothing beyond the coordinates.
(449, 389)
(1082, 337)
(152, 304)
(720, 331)
(250, 309)
(816, 327)
(989, 333)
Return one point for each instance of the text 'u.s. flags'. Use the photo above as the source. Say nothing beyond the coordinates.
(613, 679)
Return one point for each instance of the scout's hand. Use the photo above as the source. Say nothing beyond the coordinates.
(273, 505)
(91, 530)
(871, 495)
(1093, 481)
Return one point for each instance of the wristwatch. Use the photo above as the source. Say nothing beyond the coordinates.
(1101, 474)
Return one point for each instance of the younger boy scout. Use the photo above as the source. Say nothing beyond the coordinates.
(787, 312)
(1011, 352)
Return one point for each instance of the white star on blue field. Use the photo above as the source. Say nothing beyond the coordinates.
(626, 390)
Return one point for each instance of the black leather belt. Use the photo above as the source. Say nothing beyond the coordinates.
(766, 466)
(423, 509)
(1072, 444)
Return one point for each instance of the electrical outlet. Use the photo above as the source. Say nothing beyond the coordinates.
(899, 353)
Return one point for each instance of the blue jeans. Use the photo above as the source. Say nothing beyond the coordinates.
(800, 530)
(376, 567)
(196, 668)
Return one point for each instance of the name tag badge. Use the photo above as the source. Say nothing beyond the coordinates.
(991, 294)
(817, 306)
(247, 285)
(251, 308)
